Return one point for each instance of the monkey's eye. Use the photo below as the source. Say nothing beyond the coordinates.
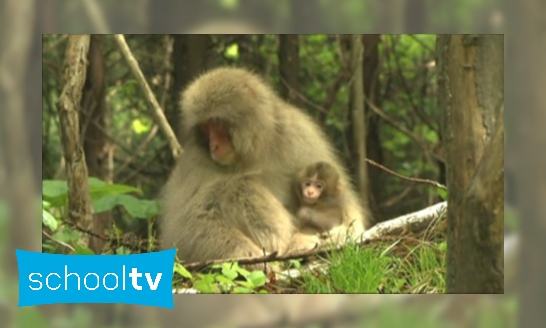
(319, 185)
(307, 183)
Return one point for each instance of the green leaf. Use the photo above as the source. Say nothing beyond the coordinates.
(67, 235)
(99, 188)
(229, 272)
(296, 264)
(178, 268)
(206, 284)
(141, 126)
(137, 208)
(241, 271)
(232, 51)
(257, 278)
(82, 250)
(122, 250)
(55, 192)
(242, 290)
(225, 280)
(49, 220)
(442, 193)
(247, 284)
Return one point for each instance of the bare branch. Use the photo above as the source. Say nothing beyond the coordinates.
(156, 109)
(427, 181)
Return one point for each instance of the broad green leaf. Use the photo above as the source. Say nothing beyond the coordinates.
(232, 51)
(141, 126)
(242, 290)
(99, 188)
(67, 235)
(206, 285)
(49, 220)
(225, 280)
(229, 272)
(246, 284)
(442, 193)
(55, 192)
(122, 250)
(82, 250)
(178, 268)
(257, 278)
(137, 208)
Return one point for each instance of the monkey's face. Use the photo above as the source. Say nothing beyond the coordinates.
(312, 188)
(217, 136)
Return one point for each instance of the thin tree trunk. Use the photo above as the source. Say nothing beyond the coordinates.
(289, 67)
(94, 122)
(75, 68)
(471, 94)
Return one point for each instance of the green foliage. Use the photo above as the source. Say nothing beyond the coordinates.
(351, 271)
(442, 193)
(104, 197)
(232, 51)
(30, 317)
(370, 270)
(226, 278)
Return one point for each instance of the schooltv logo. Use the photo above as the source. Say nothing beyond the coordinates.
(142, 279)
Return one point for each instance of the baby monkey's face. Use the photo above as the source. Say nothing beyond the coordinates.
(312, 188)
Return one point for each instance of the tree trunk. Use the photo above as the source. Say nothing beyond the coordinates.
(75, 67)
(471, 95)
(374, 150)
(357, 114)
(289, 67)
(95, 143)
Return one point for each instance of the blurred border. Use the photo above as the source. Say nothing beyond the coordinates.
(23, 22)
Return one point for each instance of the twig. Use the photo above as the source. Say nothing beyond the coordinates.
(142, 249)
(58, 241)
(156, 109)
(427, 181)
(401, 128)
(303, 97)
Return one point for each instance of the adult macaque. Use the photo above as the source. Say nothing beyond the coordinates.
(318, 188)
(231, 189)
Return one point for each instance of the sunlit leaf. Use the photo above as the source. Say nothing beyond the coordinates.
(49, 220)
(232, 51)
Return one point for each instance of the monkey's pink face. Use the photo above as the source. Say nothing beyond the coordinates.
(311, 190)
(219, 140)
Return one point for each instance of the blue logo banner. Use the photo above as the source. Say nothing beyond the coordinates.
(142, 279)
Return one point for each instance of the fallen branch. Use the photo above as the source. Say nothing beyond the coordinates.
(411, 223)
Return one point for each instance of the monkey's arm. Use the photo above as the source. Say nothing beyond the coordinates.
(319, 219)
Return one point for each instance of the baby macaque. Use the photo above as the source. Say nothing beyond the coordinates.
(318, 188)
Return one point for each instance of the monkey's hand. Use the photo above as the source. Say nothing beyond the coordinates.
(302, 241)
